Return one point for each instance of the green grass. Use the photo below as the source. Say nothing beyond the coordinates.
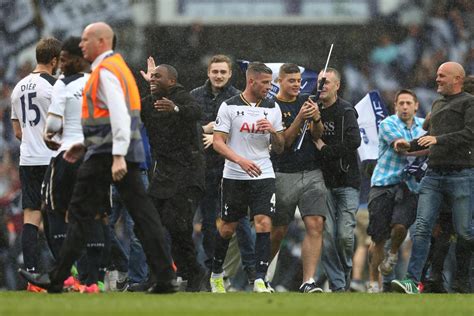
(347, 304)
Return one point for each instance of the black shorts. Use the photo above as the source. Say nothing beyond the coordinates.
(238, 196)
(59, 183)
(390, 205)
(31, 178)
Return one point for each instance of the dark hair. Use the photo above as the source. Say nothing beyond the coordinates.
(220, 59)
(172, 72)
(289, 68)
(46, 49)
(469, 84)
(335, 72)
(71, 45)
(258, 68)
(406, 91)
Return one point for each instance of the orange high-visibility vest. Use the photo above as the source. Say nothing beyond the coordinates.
(96, 120)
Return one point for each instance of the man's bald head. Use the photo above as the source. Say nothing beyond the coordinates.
(454, 68)
(96, 39)
(450, 78)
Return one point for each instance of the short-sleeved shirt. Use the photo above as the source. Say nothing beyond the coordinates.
(238, 118)
(307, 158)
(30, 100)
(67, 103)
(390, 164)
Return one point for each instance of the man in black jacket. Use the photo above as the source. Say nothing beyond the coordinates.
(210, 96)
(450, 176)
(171, 117)
(338, 147)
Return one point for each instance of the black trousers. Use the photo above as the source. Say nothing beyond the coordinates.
(177, 213)
(91, 198)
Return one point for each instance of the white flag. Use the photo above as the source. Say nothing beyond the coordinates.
(371, 112)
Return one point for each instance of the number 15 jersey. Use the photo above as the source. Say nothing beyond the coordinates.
(30, 101)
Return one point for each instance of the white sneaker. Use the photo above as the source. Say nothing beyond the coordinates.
(217, 283)
(259, 286)
(390, 260)
(111, 280)
(373, 288)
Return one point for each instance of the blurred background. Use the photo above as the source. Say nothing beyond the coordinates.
(378, 44)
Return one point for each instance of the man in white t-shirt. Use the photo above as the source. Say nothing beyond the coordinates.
(30, 100)
(246, 126)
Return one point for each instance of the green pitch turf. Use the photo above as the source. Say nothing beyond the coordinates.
(347, 304)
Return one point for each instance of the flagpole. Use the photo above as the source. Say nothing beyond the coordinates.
(314, 98)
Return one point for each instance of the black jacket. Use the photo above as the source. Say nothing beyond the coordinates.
(210, 104)
(452, 123)
(342, 138)
(176, 144)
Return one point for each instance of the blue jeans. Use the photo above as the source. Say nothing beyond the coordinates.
(457, 187)
(137, 266)
(338, 237)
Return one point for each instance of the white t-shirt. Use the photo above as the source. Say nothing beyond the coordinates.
(30, 101)
(67, 103)
(238, 118)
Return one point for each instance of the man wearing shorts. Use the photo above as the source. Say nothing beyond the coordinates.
(246, 125)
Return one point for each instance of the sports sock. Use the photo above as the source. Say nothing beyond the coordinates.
(29, 244)
(219, 253)
(262, 254)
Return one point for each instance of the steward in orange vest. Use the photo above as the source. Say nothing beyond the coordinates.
(96, 119)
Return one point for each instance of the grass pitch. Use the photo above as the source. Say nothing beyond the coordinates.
(347, 304)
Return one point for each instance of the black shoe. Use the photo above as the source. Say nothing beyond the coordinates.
(432, 286)
(310, 288)
(38, 279)
(122, 286)
(169, 287)
(196, 282)
(140, 287)
(386, 288)
(42, 280)
(462, 287)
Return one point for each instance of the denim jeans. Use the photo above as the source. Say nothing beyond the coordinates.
(457, 187)
(338, 240)
(137, 266)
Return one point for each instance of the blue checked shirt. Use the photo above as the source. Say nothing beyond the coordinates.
(390, 165)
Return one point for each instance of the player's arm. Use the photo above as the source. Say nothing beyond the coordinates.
(17, 129)
(220, 146)
(278, 142)
(120, 121)
(54, 125)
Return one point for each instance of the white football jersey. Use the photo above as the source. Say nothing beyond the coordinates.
(30, 101)
(67, 103)
(238, 118)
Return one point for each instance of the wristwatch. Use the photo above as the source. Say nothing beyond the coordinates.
(176, 109)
